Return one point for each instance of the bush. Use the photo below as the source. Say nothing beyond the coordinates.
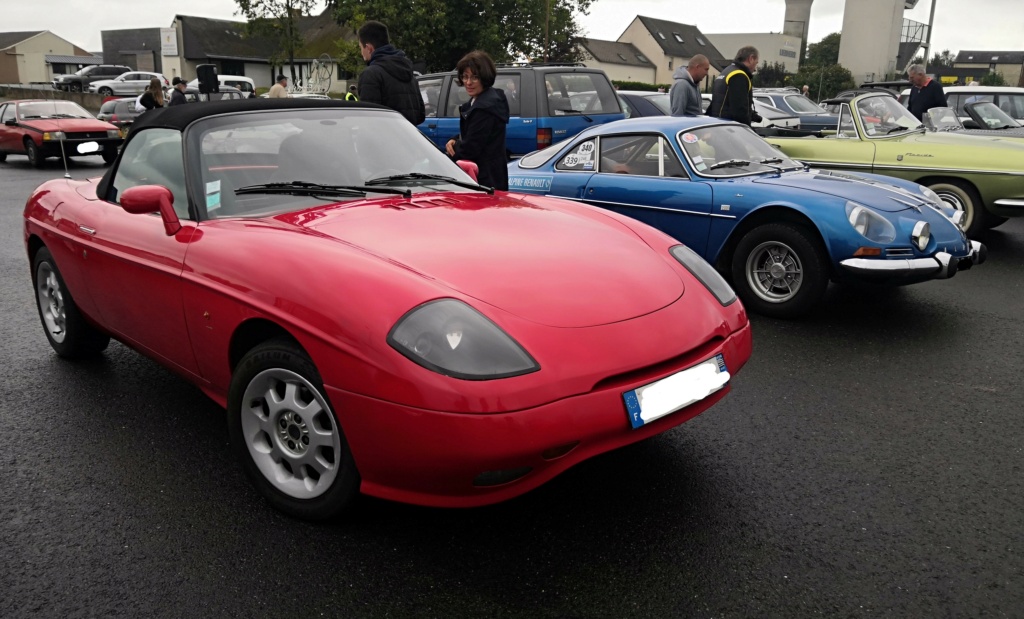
(825, 82)
(621, 85)
(993, 79)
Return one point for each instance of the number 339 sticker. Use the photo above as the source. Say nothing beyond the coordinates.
(572, 160)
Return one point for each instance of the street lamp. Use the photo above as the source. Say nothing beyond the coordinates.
(928, 37)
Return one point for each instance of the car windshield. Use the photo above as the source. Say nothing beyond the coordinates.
(295, 149)
(882, 115)
(731, 150)
(942, 119)
(802, 105)
(51, 109)
(991, 115)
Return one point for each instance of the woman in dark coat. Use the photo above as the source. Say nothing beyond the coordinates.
(153, 96)
(482, 122)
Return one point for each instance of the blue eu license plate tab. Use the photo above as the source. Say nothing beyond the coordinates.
(675, 392)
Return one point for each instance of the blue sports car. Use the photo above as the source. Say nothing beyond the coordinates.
(778, 228)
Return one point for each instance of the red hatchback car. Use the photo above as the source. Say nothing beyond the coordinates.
(41, 128)
(371, 318)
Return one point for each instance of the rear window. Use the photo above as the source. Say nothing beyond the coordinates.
(580, 93)
(108, 107)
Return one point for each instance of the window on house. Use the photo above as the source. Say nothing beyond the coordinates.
(641, 58)
(678, 37)
(701, 41)
(661, 36)
(621, 56)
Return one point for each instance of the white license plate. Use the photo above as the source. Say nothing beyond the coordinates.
(650, 402)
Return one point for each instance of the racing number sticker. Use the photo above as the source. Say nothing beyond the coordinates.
(582, 157)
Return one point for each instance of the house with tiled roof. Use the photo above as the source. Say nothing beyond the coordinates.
(622, 62)
(669, 45)
(227, 45)
(38, 55)
(1009, 64)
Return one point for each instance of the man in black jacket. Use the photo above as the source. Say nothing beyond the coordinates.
(732, 92)
(388, 78)
(925, 94)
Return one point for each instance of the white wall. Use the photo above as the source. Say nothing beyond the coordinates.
(624, 72)
(871, 37)
(769, 45)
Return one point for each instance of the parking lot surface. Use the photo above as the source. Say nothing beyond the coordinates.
(868, 462)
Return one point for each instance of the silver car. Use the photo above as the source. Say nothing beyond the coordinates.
(131, 83)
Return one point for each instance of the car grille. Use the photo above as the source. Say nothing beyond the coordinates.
(899, 252)
(87, 135)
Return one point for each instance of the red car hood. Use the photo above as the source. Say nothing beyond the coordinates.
(67, 125)
(541, 263)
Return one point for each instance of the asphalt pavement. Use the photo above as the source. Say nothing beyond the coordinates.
(868, 462)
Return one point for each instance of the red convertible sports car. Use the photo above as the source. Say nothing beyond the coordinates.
(371, 318)
(47, 128)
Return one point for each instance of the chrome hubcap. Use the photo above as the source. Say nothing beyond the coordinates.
(51, 302)
(774, 272)
(955, 201)
(291, 433)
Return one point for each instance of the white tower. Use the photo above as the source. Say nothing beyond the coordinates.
(798, 17)
(871, 38)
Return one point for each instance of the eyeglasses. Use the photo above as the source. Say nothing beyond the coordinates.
(469, 77)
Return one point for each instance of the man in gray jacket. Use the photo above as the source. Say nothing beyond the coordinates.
(684, 95)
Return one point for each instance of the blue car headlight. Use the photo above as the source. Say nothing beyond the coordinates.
(451, 338)
(704, 272)
(870, 224)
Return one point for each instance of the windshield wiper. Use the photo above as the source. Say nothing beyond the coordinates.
(895, 129)
(585, 117)
(303, 188)
(769, 160)
(414, 176)
(730, 163)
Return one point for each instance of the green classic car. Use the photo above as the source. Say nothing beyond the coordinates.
(980, 175)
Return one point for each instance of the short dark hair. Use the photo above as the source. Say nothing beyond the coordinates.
(375, 33)
(480, 63)
(746, 52)
(281, 77)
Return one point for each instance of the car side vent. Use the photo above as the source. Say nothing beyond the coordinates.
(899, 252)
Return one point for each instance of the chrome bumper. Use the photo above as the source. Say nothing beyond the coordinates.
(940, 266)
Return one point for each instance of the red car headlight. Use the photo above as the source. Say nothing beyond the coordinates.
(704, 272)
(451, 338)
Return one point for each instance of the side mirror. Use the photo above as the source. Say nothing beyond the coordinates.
(469, 168)
(11, 122)
(146, 199)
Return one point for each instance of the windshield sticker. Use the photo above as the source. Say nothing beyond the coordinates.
(689, 138)
(572, 160)
(529, 183)
(213, 187)
(213, 201)
(701, 166)
(588, 165)
(872, 132)
(697, 160)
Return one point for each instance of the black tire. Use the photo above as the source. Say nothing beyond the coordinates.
(283, 448)
(106, 92)
(34, 154)
(109, 155)
(75, 87)
(69, 333)
(780, 270)
(3, 157)
(963, 197)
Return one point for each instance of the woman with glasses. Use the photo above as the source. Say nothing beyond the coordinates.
(482, 121)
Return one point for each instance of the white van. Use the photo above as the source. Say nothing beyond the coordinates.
(242, 83)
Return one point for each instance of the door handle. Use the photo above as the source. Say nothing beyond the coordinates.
(87, 229)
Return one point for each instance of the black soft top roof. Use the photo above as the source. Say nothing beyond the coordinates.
(180, 116)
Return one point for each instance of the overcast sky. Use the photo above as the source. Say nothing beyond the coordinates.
(959, 24)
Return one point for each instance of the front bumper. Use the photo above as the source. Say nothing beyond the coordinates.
(52, 148)
(911, 270)
(437, 458)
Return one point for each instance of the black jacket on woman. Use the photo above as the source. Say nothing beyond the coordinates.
(148, 101)
(482, 137)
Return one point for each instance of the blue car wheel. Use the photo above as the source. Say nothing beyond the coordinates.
(780, 270)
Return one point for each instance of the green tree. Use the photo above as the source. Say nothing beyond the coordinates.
(825, 52)
(770, 75)
(992, 79)
(440, 32)
(278, 20)
(939, 60)
(825, 82)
